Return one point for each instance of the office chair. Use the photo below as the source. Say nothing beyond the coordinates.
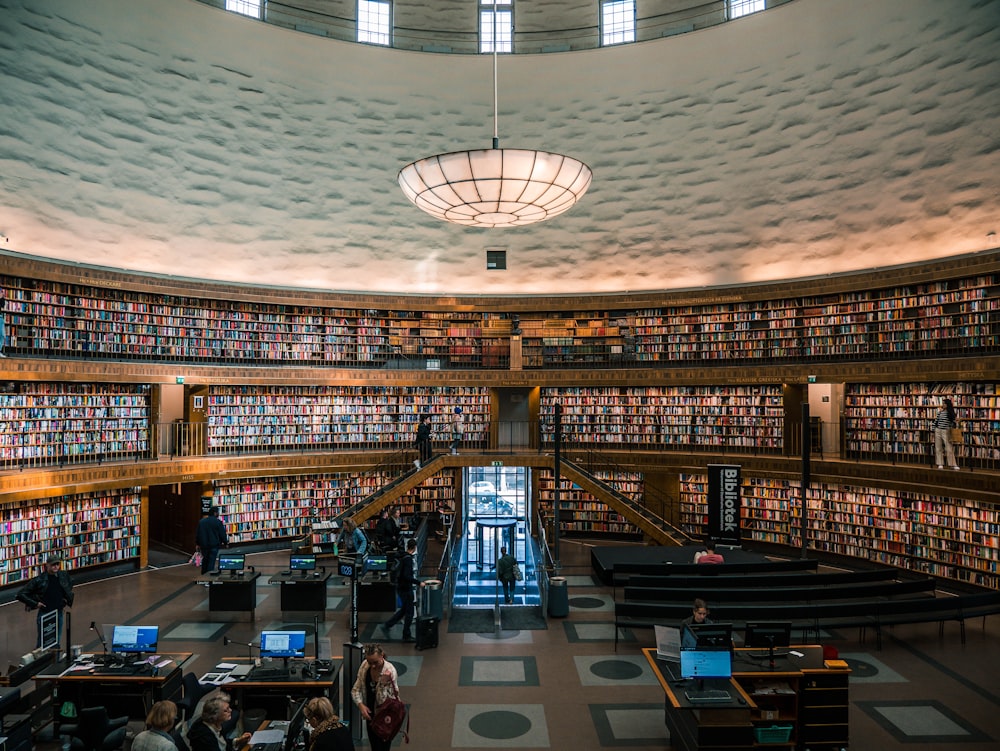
(192, 694)
(95, 731)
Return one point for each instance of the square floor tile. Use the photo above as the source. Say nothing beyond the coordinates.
(500, 726)
(595, 631)
(604, 670)
(194, 631)
(507, 637)
(925, 721)
(498, 671)
(629, 724)
(580, 581)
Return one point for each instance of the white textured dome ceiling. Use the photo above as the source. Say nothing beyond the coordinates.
(814, 138)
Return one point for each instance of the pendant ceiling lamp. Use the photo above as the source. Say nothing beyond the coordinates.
(495, 187)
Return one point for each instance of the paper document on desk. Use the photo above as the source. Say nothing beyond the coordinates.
(267, 736)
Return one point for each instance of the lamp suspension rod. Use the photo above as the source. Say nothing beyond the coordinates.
(496, 100)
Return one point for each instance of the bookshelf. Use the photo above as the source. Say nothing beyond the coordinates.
(86, 529)
(581, 514)
(954, 316)
(49, 423)
(944, 536)
(255, 418)
(737, 418)
(892, 421)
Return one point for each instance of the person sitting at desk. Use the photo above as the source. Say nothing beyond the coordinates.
(709, 555)
(206, 732)
(159, 722)
(328, 732)
(699, 614)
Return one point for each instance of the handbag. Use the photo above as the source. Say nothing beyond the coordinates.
(196, 558)
(388, 719)
(955, 435)
(517, 573)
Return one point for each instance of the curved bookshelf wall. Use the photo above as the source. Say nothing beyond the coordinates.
(677, 379)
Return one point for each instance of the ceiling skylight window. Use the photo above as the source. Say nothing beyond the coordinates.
(738, 8)
(373, 21)
(617, 22)
(250, 8)
(502, 30)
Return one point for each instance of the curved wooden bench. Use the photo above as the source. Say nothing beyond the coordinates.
(622, 571)
(721, 598)
(777, 579)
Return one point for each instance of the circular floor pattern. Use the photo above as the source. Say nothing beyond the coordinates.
(500, 725)
(861, 669)
(499, 636)
(617, 670)
(586, 602)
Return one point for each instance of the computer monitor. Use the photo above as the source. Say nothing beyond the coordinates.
(376, 563)
(768, 636)
(134, 639)
(302, 563)
(295, 726)
(283, 644)
(703, 664)
(707, 635)
(232, 561)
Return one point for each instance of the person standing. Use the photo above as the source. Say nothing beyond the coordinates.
(423, 441)
(50, 590)
(506, 575)
(159, 722)
(376, 682)
(406, 580)
(352, 539)
(457, 430)
(329, 733)
(206, 732)
(944, 421)
(3, 322)
(209, 537)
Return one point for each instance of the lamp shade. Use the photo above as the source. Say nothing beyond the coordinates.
(495, 187)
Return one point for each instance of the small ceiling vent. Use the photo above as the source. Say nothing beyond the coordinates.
(496, 259)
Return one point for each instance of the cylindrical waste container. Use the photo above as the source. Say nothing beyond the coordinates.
(558, 597)
(431, 599)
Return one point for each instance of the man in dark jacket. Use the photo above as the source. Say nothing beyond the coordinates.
(50, 590)
(210, 536)
(406, 579)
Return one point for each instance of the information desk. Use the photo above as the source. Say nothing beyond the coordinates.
(800, 702)
(303, 593)
(122, 693)
(304, 679)
(231, 593)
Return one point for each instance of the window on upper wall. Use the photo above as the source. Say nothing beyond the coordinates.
(503, 28)
(374, 18)
(250, 8)
(617, 22)
(739, 8)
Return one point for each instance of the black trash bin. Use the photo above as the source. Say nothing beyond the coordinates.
(558, 597)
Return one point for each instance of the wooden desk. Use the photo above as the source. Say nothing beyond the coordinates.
(131, 695)
(272, 696)
(232, 593)
(799, 692)
(303, 593)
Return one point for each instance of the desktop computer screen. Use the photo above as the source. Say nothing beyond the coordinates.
(134, 639)
(706, 663)
(295, 726)
(232, 561)
(299, 562)
(377, 563)
(282, 643)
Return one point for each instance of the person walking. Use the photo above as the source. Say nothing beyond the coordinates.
(375, 684)
(50, 590)
(506, 575)
(159, 722)
(457, 430)
(423, 441)
(209, 538)
(406, 580)
(944, 421)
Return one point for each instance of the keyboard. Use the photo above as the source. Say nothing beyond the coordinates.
(268, 674)
(708, 695)
(122, 670)
(267, 747)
